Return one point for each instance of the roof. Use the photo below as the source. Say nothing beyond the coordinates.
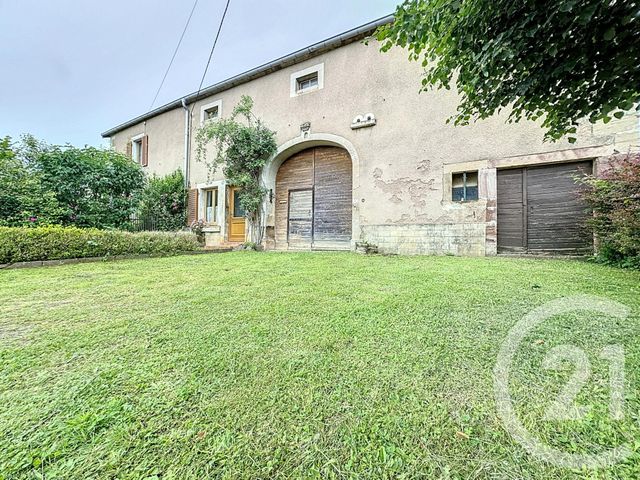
(298, 56)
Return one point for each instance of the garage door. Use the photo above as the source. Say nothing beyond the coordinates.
(540, 210)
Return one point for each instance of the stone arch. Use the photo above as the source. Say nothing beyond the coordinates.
(293, 147)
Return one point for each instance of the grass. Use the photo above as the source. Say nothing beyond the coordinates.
(253, 365)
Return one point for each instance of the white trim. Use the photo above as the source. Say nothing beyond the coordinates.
(208, 106)
(136, 143)
(222, 199)
(293, 81)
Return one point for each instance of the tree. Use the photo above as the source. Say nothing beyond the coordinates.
(24, 201)
(555, 60)
(243, 145)
(614, 196)
(96, 188)
(163, 200)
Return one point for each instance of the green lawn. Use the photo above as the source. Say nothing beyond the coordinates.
(254, 365)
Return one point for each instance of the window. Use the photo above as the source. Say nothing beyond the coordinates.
(211, 205)
(140, 149)
(136, 150)
(307, 80)
(238, 209)
(464, 186)
(211, 111)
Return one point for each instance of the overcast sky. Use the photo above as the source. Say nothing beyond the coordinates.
(71, 69)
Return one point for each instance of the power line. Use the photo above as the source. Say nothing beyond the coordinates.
(213, 47)
(175, 52)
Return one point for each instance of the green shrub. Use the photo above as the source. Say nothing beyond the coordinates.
(95, 188)
(86, 187)
(615, 198)
(55, 242)
(24, 201)
(164, 202)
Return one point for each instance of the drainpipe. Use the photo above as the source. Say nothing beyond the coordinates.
(187, 132)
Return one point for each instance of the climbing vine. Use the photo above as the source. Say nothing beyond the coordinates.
(243, 145)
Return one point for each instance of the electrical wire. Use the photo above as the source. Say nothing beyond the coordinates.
(175, 52)
(213, 47)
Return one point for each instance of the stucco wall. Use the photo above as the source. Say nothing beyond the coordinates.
(166, 141)
(406, 160)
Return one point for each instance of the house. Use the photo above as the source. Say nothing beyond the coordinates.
(364, 157)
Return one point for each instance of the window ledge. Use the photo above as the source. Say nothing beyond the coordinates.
(306, 90)
(212, 228)
(464, 202)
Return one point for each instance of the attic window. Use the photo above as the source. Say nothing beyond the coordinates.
(307, 82)
(211, 111)
(464, 186)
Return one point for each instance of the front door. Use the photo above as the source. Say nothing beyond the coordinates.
(237, 221)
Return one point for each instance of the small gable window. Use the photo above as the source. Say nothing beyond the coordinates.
(307, 82)
(464, 186)
(211, 111)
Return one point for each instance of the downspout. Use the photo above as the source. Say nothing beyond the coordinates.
(187, 134)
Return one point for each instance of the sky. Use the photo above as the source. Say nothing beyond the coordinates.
(71, 69)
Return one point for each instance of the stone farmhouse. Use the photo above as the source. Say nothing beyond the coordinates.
(364, 157)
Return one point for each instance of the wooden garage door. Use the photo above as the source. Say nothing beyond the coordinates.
(540, 211)
(313, 200)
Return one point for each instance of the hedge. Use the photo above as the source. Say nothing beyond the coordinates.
(20, 244)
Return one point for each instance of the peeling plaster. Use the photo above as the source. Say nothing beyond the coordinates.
(417, 189)
(424, 166)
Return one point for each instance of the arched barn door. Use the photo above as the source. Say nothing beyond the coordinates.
(313, 200)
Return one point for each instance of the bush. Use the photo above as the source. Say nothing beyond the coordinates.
(615, 199)
(96, 188)
(56, 242)
(23, 199)
(164, 201)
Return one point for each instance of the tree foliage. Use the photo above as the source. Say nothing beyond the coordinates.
(615, 199)
(24, 201)
(243, 145)
(95, 188)
(164, 200)
(555, 60)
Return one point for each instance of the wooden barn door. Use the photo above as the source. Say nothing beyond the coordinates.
(540, 210)
(313, 200)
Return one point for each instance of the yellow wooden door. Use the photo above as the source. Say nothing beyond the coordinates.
(237, 221)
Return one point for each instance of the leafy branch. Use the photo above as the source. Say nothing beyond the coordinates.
(554, 61)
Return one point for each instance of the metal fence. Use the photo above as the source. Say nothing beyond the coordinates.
(143, 224)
